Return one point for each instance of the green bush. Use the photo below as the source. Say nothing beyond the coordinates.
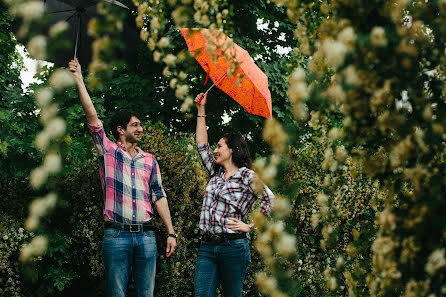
(73, 261)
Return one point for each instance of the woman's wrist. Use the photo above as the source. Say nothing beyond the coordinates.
(201, 112)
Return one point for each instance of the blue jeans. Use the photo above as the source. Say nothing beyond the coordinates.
(121, 251)
(224, 263)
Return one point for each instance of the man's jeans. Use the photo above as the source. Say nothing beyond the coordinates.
(123, 251)
(224, 263)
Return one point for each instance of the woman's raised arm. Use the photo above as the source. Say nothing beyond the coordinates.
(201, 132)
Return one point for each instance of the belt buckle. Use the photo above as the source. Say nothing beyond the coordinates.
(216, 239)
(132, 230)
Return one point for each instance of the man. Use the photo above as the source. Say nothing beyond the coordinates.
(131, 184)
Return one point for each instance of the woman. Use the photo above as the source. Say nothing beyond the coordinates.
(224, 253)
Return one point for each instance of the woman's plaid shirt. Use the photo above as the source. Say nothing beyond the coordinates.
(130, 186)
(228, 198)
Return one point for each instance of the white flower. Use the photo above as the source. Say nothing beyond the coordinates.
(282, 207)
(332, 283)
(36, 247)
(143, 34)
(351, 76)
(61, 79)
(164, 42)
(297, 75)
(56, 127)
(44, 96)
(37, 47)
(334, 52)
(187, 104)
(151, 44)
(48, 113)
(322, 199)
(181, 91)
(340, 262)
(58, 28)
(29, 10)
(38, 177)
(335, 133)
(173, 83)
(286, 245)
(170, 60)
(155, 24)
(265, 283)
(5, 237)
(348, 37)
(435, 261)
(341, 153)
(378, 37)
(52, 163)
(42, 140)
(156, 56)
(166, 71)
(315, 217)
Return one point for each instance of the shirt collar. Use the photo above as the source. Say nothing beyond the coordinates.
(122, 147)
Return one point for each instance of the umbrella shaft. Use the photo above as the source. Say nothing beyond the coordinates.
(220, 79)
(77, 33)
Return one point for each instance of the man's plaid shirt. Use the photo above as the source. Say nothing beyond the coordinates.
(228, 198)
(130, 186)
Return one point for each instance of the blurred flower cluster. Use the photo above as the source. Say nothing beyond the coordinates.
(360, 67)
(31, 12)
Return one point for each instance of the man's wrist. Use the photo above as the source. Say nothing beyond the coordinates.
(172, 235)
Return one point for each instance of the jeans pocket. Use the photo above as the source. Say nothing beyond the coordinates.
(240, 244)
(111, 232)
(149, 233)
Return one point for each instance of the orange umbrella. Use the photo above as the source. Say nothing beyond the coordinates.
(252, 93)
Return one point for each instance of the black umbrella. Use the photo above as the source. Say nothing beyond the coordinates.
(77, 13)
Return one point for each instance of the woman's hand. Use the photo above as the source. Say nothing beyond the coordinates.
(237, 225)
(75, 68)
(201, 99)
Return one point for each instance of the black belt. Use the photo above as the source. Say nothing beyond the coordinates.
(222, 237)
(130, 227)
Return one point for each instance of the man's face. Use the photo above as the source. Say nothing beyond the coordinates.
(133, 130)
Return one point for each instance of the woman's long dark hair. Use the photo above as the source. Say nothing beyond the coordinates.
(240, 151)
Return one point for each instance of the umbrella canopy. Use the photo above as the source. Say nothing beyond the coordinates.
(77, 13)
(252, 93)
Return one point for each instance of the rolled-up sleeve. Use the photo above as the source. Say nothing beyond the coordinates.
(101, 143)
(261, 191)
(206, 157)
(156, 185)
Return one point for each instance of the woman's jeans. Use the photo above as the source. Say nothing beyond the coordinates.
(123, 251)
(224, 263)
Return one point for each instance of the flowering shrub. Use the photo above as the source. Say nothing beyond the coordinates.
(73, 260)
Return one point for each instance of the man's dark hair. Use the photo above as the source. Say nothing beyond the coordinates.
(121, 118)
(240, 151)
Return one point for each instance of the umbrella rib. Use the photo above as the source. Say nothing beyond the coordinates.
(67, 10)
(70, 16)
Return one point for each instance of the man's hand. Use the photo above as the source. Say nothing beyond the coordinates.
(237, 225)
(75, 68)
(171, 246)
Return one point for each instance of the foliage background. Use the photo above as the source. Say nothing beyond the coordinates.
(360, 180)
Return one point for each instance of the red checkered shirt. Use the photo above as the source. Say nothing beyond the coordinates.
(130, 185)
(228, 198)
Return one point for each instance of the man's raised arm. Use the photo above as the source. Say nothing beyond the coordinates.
(75, 68)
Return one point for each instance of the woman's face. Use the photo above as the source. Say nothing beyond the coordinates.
(222, 153)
